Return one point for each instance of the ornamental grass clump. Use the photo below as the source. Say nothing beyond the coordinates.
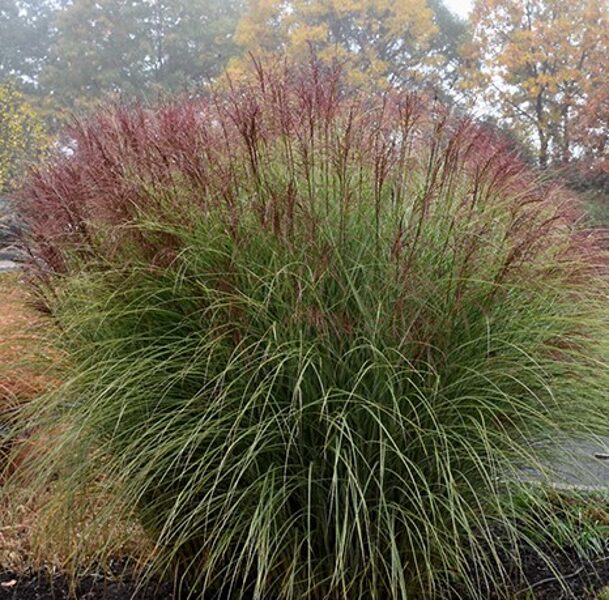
(310, 335)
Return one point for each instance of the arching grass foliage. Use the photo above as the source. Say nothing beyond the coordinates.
(311, 334)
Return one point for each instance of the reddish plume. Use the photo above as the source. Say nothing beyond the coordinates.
(304, 125)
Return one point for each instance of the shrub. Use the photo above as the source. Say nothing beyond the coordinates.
(312, 334)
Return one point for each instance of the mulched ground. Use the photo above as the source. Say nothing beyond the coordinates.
(581, 580)
(562, 574)
(42, 585)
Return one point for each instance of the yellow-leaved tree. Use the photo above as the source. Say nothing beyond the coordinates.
(22, 134)
(381, 42)
(535, 65)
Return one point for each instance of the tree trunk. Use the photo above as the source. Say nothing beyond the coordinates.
(541, 132)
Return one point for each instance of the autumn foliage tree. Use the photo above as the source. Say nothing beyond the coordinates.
(593, 131)
(588, 173)
(383, 42)
(538, 63)
(74, 53)
(22, 134)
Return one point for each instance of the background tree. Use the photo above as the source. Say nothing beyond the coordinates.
(26, 33)
(593, 131)
(536, 64)
(136, 47)
(76, 52)
(382, 41)
(189, 41)
(588, 172)
(97, 51)
(447, 43)
(22, 135)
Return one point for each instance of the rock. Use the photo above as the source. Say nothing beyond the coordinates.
(7, 266)
(577, 463)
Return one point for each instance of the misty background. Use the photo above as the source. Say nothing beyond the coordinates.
(534, 69)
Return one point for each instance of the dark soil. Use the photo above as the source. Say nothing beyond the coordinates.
(581, 579)
(560, 574)
(43, 585)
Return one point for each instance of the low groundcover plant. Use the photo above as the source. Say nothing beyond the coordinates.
(311, 334)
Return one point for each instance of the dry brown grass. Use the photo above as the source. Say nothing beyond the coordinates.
(22, 374)
(27, 535)
(21, 378)
(24, 364)
(31, 538)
